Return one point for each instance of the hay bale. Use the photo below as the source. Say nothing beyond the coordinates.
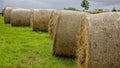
(98, 43)
(66, 32)
(20, 17)
(40, 19)
(7, 13)
(53, 22)
(3, 10)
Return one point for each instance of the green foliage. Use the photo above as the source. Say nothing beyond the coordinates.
(114, 10)
(100, 10)
(118, 10)
(70, 8)
(20, 47)
(85, 4)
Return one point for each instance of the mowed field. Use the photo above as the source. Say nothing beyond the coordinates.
(20, 47)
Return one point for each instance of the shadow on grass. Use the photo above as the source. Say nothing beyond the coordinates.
(65, 57)
(38, 30)
(19, 26)
(70, 62)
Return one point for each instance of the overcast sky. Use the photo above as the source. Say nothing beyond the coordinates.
(59, 4)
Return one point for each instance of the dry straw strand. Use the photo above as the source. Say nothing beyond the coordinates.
(83, 48)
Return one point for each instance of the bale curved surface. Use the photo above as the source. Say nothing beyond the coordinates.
(66, 32)
(40, 19)
(3, 10)
(98, 43)
(7, 13)
(20, 17)
(53, 22)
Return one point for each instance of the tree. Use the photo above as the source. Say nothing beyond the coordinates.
(114, 10)
(70, 8)
(85, 4)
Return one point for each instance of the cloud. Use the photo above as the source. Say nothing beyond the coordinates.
(55, 4)
(58, 4)
(108, 4)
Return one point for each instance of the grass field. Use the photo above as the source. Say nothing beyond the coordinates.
(20, 47)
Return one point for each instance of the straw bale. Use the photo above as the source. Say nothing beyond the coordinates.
(98, 43)
(40, 19)
(53, 22)
(20, 17)
(7, 13)
(3, 10)
(66, 32)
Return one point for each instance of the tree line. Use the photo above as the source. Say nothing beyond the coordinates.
(85, 5)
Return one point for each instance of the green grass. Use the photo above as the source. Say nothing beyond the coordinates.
(20, 47)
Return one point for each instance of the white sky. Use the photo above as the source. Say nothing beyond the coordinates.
(59, 4)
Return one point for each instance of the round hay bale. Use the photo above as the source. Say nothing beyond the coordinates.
(98, 43)
(20, 17)
(40, 19)
(3, 10)
(7, 13)
(66, 32)
(53, 22)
